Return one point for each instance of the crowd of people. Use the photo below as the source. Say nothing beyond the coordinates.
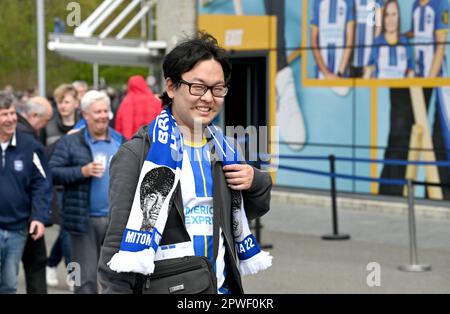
(67, 163)
(40, 169)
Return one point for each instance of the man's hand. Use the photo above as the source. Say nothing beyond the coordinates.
(93, 169)
(239, 176)
(37, 229)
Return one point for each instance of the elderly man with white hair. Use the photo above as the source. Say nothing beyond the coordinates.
(35, 116)
(81, 88)
(80, 163)
(33, 119)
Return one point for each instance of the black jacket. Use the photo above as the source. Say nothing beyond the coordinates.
(70, 155)
(25, 192)
(124, 174)
(24, 126)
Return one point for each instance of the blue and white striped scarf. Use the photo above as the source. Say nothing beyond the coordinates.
(138, 247)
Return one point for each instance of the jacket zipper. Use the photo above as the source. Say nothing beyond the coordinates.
(3, 158)
(231, 248)
(227, 240)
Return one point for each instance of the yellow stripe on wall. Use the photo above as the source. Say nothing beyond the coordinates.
(374, 82)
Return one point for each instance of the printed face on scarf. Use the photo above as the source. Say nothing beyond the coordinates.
(236, 212)
(152, 207)
(188, 108)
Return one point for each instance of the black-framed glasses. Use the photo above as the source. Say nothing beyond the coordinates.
(197, 89)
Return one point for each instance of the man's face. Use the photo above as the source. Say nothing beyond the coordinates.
(97, 118)
(38, 122)
(81, 90)
(152, 207)
(68, 105)
(8, 123)
(202, 109)
(391, 18)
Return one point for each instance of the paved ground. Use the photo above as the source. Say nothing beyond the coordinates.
(303, 263)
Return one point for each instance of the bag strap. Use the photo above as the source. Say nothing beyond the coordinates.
(216, 215)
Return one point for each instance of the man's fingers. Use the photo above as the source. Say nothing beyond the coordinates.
(36, 230)
(32, 228)
(233, 167)
(233, 174)
(238, 187)
(236, 181)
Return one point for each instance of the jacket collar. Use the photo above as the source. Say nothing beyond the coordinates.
(13, 141)
(91, 140)
(25, 126)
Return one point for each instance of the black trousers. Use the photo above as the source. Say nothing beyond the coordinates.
(401, 122)
(34, 259)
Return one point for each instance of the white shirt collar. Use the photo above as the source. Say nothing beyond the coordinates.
(12, 141)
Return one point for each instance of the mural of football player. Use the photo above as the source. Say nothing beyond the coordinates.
(289, 116)
(430, 22)
(392, 57)
(332, 32)
(367, 27)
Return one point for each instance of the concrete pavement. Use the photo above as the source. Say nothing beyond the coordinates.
(303, 263)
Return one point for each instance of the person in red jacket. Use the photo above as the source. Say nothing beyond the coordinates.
(139, 107)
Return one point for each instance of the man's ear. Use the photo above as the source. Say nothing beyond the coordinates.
(170, 87)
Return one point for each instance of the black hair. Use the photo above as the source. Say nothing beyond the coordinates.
(159, 179)
(187, 54)
(6, 100)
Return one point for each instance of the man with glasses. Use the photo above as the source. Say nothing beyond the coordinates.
(196, 75)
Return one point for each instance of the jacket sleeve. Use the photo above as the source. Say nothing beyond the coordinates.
(41, 193)
(62, 172)
(257, 197)
(124, 175)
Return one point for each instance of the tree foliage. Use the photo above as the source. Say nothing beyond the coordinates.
(18, 47)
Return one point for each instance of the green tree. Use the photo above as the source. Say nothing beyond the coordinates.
(18, 52)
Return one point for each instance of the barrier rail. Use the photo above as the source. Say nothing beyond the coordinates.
(414, 266)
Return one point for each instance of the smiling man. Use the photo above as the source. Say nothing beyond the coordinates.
(196, 74)
(86, 180)
(24, 193)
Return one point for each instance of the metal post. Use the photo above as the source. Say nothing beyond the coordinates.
(41, 46)
(144, 24)
(258, 228)
(414, 266)
(335, 235)
(95, 78)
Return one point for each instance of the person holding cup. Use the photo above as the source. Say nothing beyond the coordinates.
(80, 162)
